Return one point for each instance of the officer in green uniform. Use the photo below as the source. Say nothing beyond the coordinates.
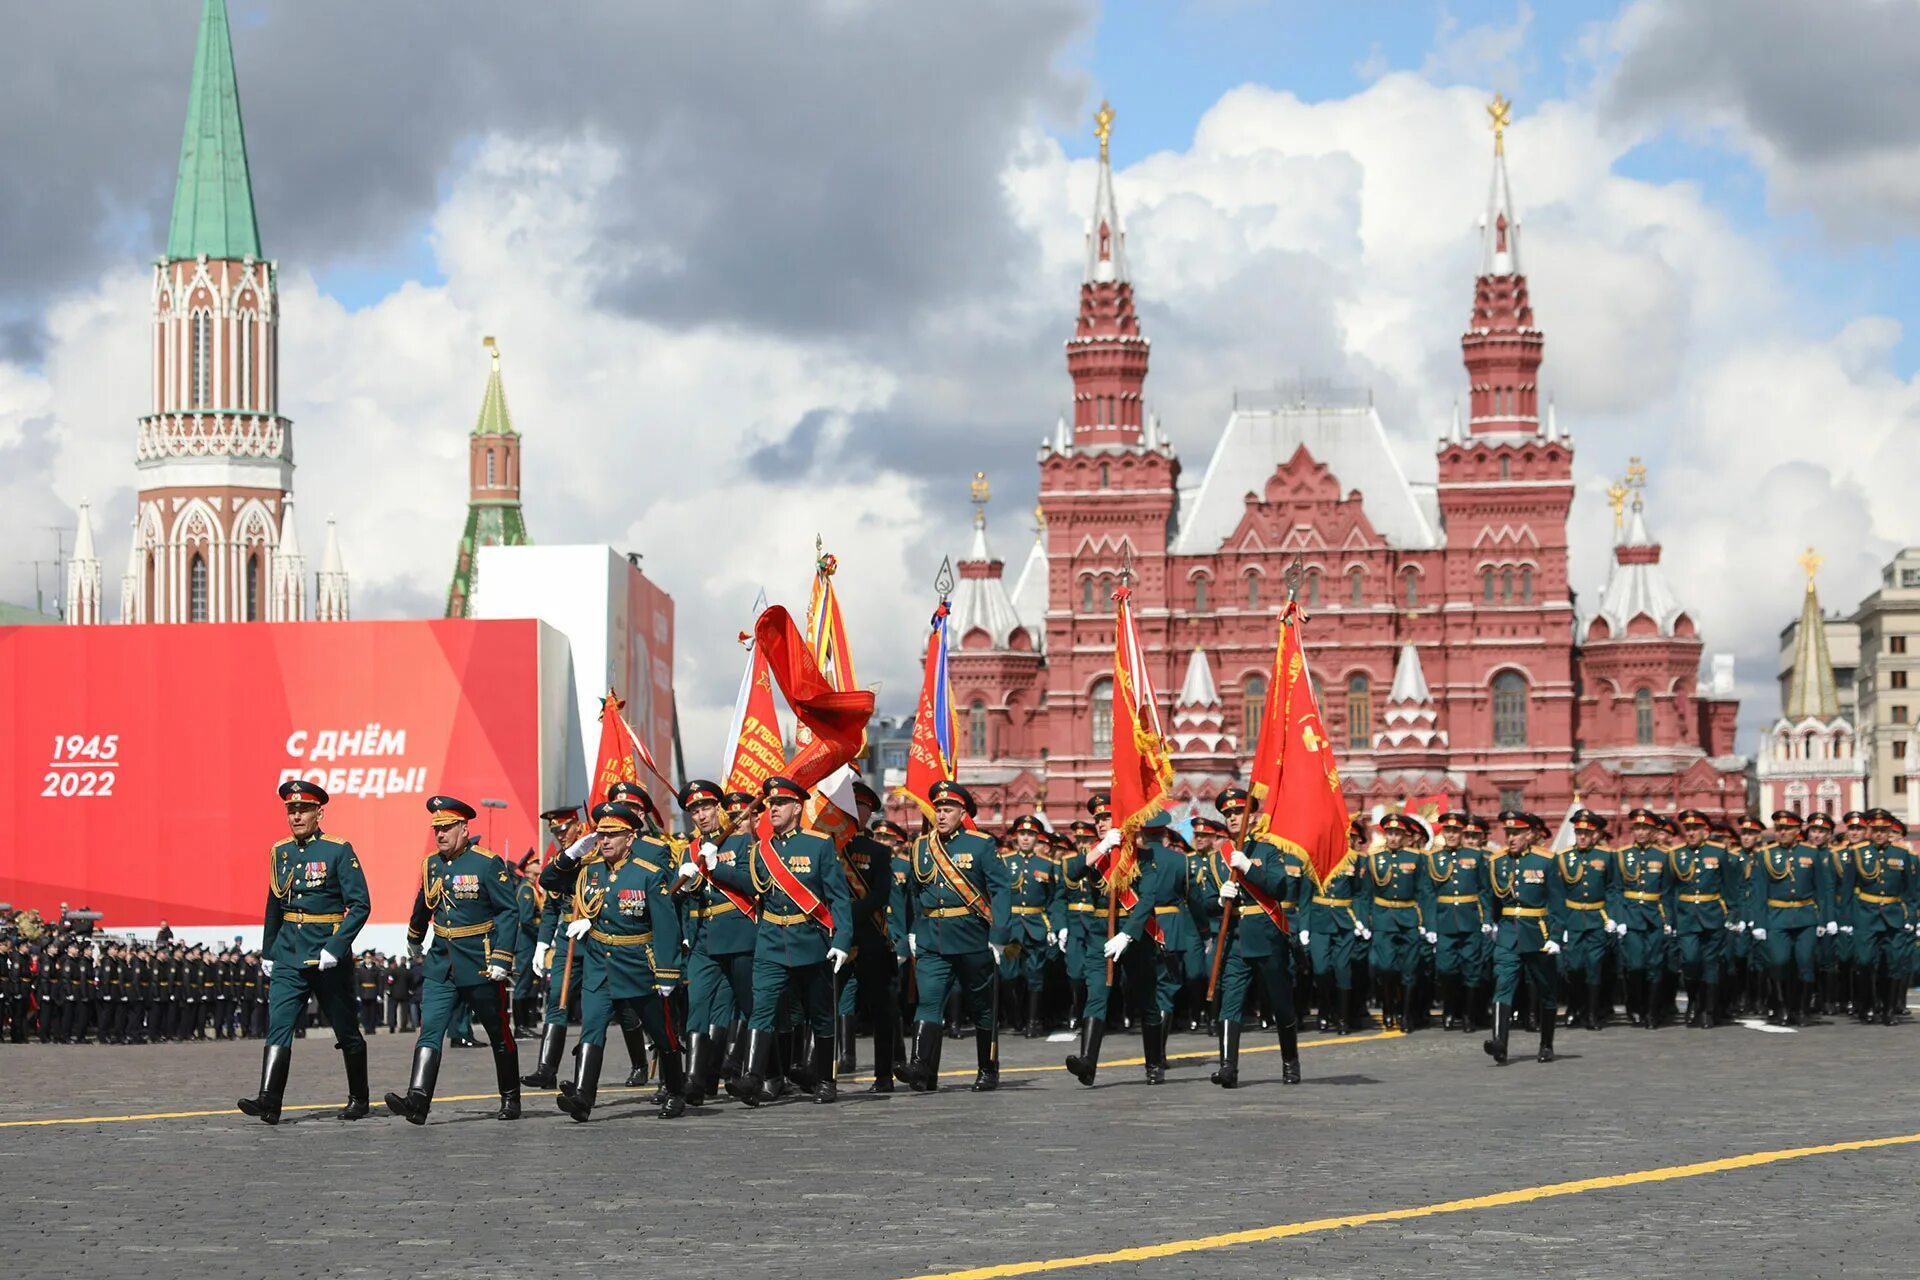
(1828, 953)
(1077, 900)
(1584, 927)
(551, 951)
(804, 936)
(316, 904)
(1034, 886)
(1333, 929)
(1132, 948)
(1256, 942)
(1790, 901)
(1642, 911)
(466, 894)
(526, 936)
(1745, 969)
(1530, 892)
(627, 936)
(1885, 905)
(1399, 890)
(720, 963)
(1701, 882)
(1462, 919)
(869, 983)
(1207, 870)
(962, 924)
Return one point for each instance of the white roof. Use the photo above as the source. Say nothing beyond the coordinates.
(1105, 210)
(1350, 441)
(1497, 259)
(1030, 593)
(1634, 589)
(981, 603)
(1409, 679)
(1198, 689)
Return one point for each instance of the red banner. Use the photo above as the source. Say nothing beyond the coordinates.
(139, 764)
(758, 753)
(1294, 774)
(837, 720)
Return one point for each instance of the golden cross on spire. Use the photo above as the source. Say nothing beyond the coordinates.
(1636, 473)
(1103, 128)
(1500, 113)
(494, 348)
(1811, 562)
(1617, 499)
(981, 493)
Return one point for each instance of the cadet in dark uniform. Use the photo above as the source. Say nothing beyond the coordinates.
(804, 936)
(1461, 922)
(1257, 947)
(316, 904)
(1701, 876)
(1643, 907)
(962, 909)
(550, 953)
(526, 935)
(1132, 948)
(720, 962)
(1886, 901)
(628, 931)
(1399, 890)
(466, 894)
(1790, 900)
(1587, 871)
(1077, 897)
(868, 985)
(1034, 885)
(1528, 885)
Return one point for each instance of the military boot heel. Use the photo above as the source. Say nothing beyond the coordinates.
(358, 1094)
(636, 1042)
(553, 1047)
(736, 1057)
(700, 1052)
(1228, 1073)
(1496, 1044)
(1085, 1063)
(577, 1102)
(882, 1060)
(1153, 1046)
(418, 1099)
(506, 1075)
(274, 1065)
(750, 1085)
(1289, 1053)
(915, 1070)
(1546, 1034)
(1033, 1030)
(820, 1063)
(986, 1077)
(674, 1078)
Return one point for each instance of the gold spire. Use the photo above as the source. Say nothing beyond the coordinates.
(1103, 128)
(1500, 113)
(494, 349)
(1811, 562)
(1617, 499)
(982, 492)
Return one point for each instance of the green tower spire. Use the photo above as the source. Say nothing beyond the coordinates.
(213, 199)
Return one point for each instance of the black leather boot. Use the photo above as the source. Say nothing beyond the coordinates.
(921, 1068)
(1034, 1030)
(1596, 1013)
(1329, 1010)
(274, 1064)
(1153, 1046)
(1496, 1044)
(673, 1078)
(1449, 1002)
(820, 1066)
(1709, 1002)
(800, 1061)
(849, 1061)
(418, 1099)
(701, 1052)
(1085, 1063)
(636, 1042)
(1289, 1053)
(735, 1060)
(1410, 1010)
(757, 1059)
(1548, 1017)
(358, 1094)
(986, 1077)
(1650, 1016)
(578, 1101)
(720, 1046)
(506, 1075)
(883, 1058)
(1227, 1075)
(553, 1047)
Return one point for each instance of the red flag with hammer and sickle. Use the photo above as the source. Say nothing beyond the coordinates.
(1295, 778)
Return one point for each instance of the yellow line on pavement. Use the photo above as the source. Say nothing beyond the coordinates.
(1497, 1200)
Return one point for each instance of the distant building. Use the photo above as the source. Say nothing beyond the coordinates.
(18, 615)
(1810, 759)
(1843, 650)
(494, 518)
(1888, 625)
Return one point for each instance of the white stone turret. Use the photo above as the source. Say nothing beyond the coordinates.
(83, 575)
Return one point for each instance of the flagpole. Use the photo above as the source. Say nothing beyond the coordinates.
(1125, 850)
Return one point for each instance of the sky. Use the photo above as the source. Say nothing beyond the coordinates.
(781, 268)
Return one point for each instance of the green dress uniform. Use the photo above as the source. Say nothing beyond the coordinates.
(469, 900)
(1583, 928)
(870, 982)
(1702, 880)
(1790, 897)
(953, 936)
(1530, 892)
(317, 902)
(628, 928)
(790, 959)
(526, 935)
(1258, 950)
(1154, 881)
(719, 976)
(1333, 928)
(1643, 901)
(1033, 880)
(1461, 921)
(1885, 903)
(1183, 930)
(1078, 910)
(1399, 890)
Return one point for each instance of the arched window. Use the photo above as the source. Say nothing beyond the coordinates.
(1253, 701)
(1253, 591)
(1359, 712)
(1313, 589)
(253, 587)
(197, 589)
(1410, 589)
(1509, 709)
(1106, 593)
(1643, 717)
(1506, 468)
(1086, 594)
(1199, 595)
(977, 729)
(489, 468)
(1100, 713)
(1105, 475)
(1526, 586)
(202, 359)
(1356, 587)
(1506, 586)
(1486, 585)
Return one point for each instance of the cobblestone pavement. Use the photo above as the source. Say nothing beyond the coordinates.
(1043, 1169)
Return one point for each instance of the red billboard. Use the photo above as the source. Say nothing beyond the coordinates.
(138, 764)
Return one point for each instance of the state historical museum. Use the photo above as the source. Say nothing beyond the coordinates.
(1450, 655)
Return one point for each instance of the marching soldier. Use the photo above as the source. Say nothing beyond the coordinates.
(316, 904)
(1830, 951)
(1332, 931)
(1886, 899)
(869, 983)
(1400, 890)
(1790, 897)
(1256, 942)
(722, 929)
(1183, 946)
(628, 928)
(1462, 921)
(1034, 883)
(1702, 878)
(466, 893)
(552, 952)
(804, 935)
(1134, 892)
(1076, 897)
(1531, 892)
(1586, 871)
(1642, 909)
(962, 908)
(526, 937)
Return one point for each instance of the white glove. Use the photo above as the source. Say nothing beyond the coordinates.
(1667, 929)
(837, 957)
(327, 959)
(1759, 934)
(665, 989)
(1115, 945)
(709, 856)
(1906, 928)
(1306, 938)
(1431, 937)
(1619, 927)
(1229, 891)
(1552, 948)
(266, 966)
(1060, 939)
(913, 945)
(1488, 929)
(1847, 929)
(1830, 928)
(1566, 935)
(540, 950)
(997, 950)
(579, 848)
(1239, 861)
(496, 974)
(579, 928)
(689, 872)
(1366, 934)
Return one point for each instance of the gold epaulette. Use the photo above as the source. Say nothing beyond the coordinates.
(648, 865)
